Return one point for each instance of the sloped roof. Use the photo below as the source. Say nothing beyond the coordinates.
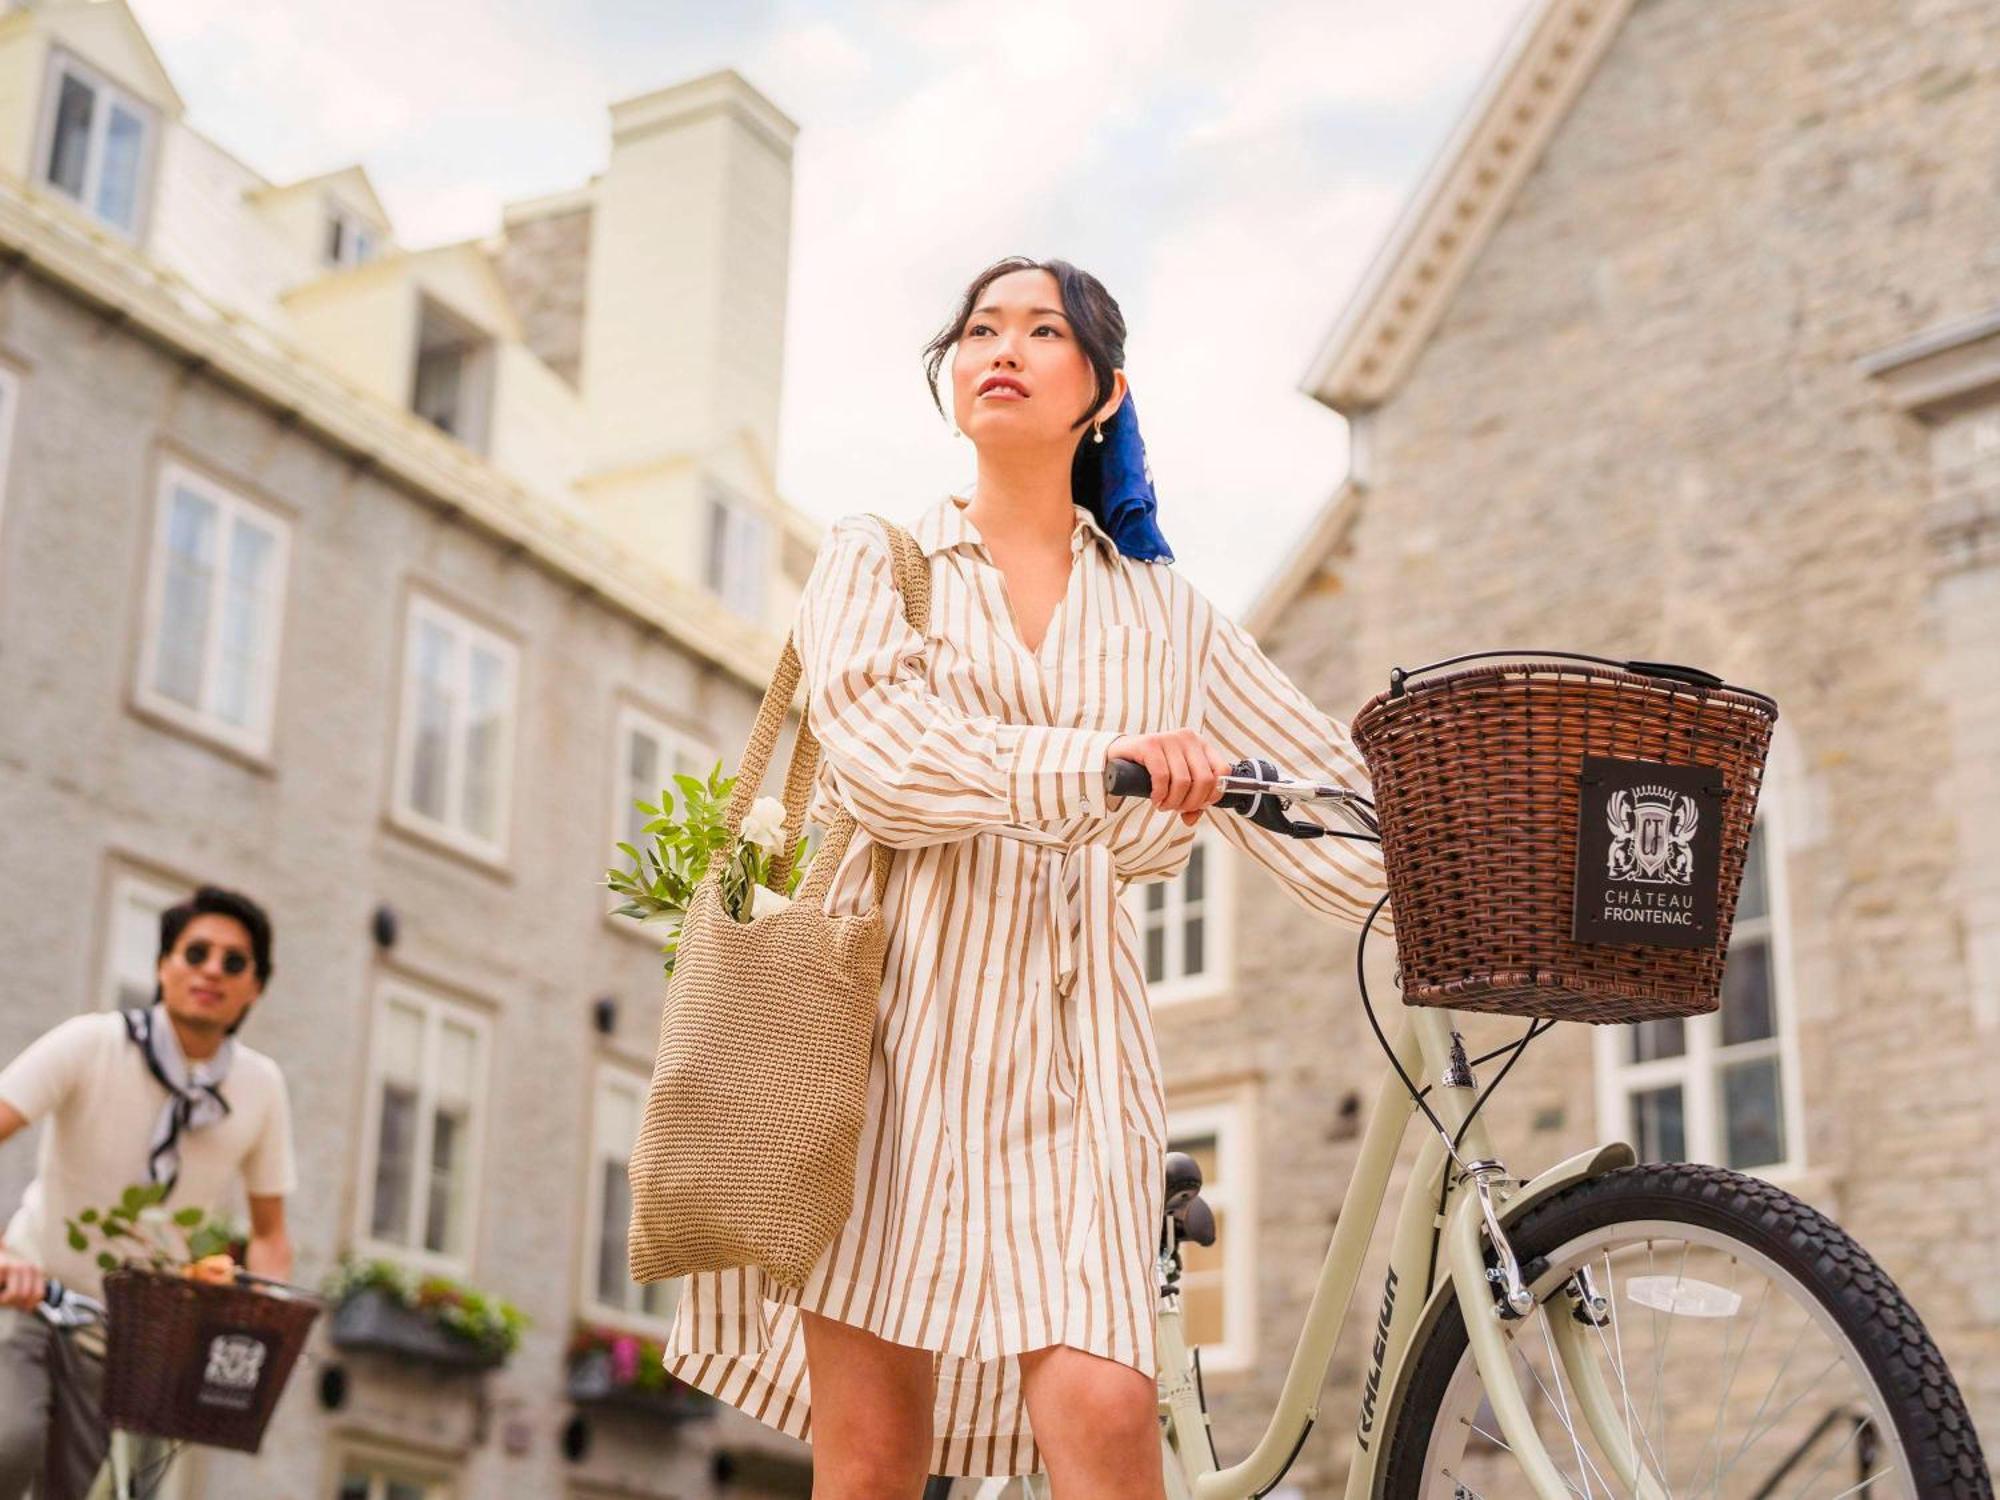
(351, 182)
(84, 24)
(1378, 336)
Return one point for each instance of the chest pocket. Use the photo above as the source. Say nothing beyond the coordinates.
(1130, 679)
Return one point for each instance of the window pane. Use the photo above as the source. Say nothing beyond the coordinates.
(659, 1299)
(1746, 993)
(485, 723)
(447, 1180)
(335, 235)
(135, 944)
(118, 177)
(353, 1486)
(394, 1159)
(1156, 953)
(432, 650)
(189, 583)
(401, 1054)
(1755, 898)
(458, 1052)
(1196, 874)
(436, 399)
(403, 1489)
(1753, 1118)
(69, 151)
(643, 782)
(614, 1287)
(718, 545)
(246, 611)
(1194, 960)
(1652, 1040)
(1659, 1125)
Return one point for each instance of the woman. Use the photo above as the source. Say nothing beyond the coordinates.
(989, 1307)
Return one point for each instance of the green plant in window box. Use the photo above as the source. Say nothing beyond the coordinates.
(660, 879)
(483, 1322)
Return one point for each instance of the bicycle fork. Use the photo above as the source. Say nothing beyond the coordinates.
(1492, 1298)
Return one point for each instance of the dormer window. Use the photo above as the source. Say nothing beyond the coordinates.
(97, 144)
(738, 555)
(452, 384)
(350, 239)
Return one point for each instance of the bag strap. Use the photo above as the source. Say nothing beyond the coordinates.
(912, 578)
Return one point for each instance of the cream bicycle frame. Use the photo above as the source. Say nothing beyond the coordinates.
(1423, 1044)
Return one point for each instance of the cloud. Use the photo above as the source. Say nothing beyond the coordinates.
(1226, 169)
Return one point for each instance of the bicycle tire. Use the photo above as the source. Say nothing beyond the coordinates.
(1870, 1312)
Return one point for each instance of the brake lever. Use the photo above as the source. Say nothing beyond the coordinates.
(1263, 809)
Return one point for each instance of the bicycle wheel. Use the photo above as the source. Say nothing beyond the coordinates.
(1745, 1345)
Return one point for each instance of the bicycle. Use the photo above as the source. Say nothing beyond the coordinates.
(138, 1463)
(1566, 1334)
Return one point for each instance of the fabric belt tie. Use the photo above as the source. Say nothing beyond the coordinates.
(1081, 964)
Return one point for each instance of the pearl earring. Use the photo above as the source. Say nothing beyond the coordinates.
(1097, 435)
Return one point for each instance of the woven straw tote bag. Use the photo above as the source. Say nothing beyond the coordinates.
(747, 1145)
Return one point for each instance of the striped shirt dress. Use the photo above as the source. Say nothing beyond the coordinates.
(1008, 1189)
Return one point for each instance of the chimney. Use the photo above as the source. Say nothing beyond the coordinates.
(690, 241)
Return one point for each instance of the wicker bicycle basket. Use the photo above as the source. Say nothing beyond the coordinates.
(196, 1361)
(1564, 837)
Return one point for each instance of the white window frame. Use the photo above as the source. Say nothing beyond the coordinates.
(354, 231)
(61, 63)
(253, 739)
(438, 1479)
(1697, 1071)
(680, 745)
(436, 1009)
(613, 1075)
(1232, 1120)
(10, 403)
(744, 585)
(132, 890)
(403, 810)
(1217, 914)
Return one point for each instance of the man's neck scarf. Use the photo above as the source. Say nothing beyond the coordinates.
(194, 1093)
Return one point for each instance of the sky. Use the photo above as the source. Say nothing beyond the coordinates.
(1226, 170)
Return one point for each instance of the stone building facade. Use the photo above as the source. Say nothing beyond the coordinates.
(1683, 351)
(263, 623)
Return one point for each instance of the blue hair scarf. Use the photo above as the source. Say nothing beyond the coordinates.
(1125, 504)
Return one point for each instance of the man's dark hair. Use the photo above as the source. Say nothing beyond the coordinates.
(213, 900)
(1098, 326)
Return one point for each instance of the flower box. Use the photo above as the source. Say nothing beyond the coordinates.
(611, 1371)
(371, 1319)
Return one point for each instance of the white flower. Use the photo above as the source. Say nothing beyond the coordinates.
(154, 1217)
(764, 901)
(764, 824)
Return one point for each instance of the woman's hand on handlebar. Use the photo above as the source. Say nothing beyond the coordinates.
(21, 1281)
(1184, 767)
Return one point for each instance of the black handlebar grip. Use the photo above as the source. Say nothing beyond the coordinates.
(1127, 778)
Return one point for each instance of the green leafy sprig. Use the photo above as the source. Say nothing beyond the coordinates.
(139, 1225)
(660, 878)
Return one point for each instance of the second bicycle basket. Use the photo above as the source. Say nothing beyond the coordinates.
(202, 1363)
(1564, 837)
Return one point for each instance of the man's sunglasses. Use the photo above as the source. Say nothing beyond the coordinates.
(234, 960)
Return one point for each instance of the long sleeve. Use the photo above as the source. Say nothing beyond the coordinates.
(912, 768)
(1253, 709)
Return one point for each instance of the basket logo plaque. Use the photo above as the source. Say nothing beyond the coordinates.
(1648, 851)
(234, 1369)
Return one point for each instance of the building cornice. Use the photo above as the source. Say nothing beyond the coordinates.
(1942, 370)
(109, 275)
(1448, 221)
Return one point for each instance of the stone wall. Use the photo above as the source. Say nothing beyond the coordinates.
(1640, 430)
(88, 784)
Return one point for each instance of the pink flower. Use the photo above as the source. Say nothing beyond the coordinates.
(625, 1360)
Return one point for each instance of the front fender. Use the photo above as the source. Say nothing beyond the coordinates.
(1514, 1205)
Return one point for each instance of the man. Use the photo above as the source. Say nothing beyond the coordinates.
(163, 1095)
